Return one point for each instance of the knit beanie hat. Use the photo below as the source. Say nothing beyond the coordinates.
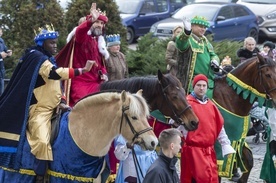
(198, 78)
(269, 44)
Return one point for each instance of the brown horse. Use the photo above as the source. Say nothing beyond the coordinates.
(254, 79)
(164, 93)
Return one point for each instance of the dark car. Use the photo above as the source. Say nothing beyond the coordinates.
(227, 21)
(139, 15)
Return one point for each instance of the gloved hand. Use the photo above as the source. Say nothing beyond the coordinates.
(187, 24)
(215, 65)
(104, 77)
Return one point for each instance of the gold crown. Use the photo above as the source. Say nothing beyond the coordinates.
(42, 30)
(226, 61)
(102, 12)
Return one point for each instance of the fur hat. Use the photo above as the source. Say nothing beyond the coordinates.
(45, 33)
(113, 40)
(200, 20)
(269, 44)
(199, 77)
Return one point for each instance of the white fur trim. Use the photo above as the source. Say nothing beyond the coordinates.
(102, 47)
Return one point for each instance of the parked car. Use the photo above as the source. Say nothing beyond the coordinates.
(217, 1)
(139, 15)
(227, 21)
(266, 12)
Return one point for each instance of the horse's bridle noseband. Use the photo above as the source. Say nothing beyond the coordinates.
(176, 115)
(136, 134)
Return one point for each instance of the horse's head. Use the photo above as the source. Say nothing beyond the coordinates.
(134, 124)
(174, 103)
(267, 77)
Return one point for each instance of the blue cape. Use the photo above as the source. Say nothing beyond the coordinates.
(14, 107)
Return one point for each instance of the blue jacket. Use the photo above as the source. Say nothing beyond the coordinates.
(3, 46)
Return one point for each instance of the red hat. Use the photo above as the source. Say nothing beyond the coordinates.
(198, 78)
(103, 18)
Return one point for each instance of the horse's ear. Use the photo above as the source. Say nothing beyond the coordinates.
(140, 92)
(123, 95)
(160, 75)
(261, 59)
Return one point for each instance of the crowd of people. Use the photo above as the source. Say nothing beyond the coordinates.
(94, 58)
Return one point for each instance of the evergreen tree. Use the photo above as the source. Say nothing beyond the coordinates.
(19, 20)
(148, 58)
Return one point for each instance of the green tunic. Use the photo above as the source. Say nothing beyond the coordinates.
(199, 62)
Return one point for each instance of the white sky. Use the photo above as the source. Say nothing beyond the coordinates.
(64, 3)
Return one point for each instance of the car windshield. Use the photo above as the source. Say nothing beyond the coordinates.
(128, 6)
(259, 1)
(192, 10)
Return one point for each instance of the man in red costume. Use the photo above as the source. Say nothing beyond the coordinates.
(86, 45)
(198, 157)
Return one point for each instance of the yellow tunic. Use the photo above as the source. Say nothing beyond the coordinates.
(48, 97)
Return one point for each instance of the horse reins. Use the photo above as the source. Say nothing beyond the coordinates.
(261, 80)
(177, 116)
(136, 134)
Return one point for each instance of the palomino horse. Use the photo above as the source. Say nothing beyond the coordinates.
(85, 136)
(254, 79)
(164, 93)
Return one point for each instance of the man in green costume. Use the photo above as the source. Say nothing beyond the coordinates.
(196, 54)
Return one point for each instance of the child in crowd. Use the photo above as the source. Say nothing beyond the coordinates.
(269, 50)
(132, 167)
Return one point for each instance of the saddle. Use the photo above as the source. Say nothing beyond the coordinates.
(55, 124)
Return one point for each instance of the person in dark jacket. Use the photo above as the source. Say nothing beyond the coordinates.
(163, 170)
(249, 49)
(4, 52)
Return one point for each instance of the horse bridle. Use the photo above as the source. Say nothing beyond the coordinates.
(261, 80)
(176, 115)
(135, 133)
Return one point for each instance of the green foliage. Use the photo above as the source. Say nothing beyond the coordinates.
(150, 54)
(21, 18)
(148, 57)
(227, 48)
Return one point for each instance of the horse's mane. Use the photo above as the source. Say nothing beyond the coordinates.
(99, 97)
(147, 83)
(136, 109)
(137, 105)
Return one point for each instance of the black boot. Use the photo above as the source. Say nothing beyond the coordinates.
(39, 179)
(236, 175)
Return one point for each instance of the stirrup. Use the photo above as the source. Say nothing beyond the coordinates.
(39, 179)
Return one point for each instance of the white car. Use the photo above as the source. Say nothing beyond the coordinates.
(266, 12)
